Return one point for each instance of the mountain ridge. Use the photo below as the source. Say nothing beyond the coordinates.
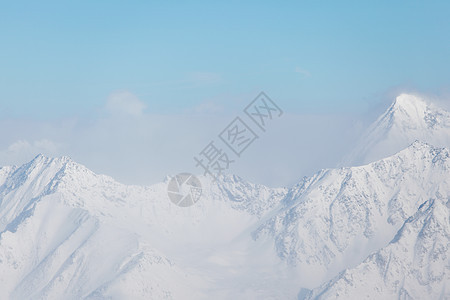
(339, 216)
(66, 232)
(416, 263)
(100, 210)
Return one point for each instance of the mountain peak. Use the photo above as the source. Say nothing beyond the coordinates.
(414, 113)
(408, 101)
(408, 111)
(409, 118)
(42, 159)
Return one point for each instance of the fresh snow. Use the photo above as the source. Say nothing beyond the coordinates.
(339, 216)
(379, 230)
(415, 264)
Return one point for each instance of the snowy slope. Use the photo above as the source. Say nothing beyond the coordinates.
(339, 216)
(409, 118)
(54, 244)
(67, 233)
(415, 264)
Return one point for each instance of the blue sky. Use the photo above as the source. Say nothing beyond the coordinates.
(135, 89)
(60, 58)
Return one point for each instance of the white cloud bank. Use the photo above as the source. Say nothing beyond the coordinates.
(23, 150)
(136, 146)
(124, 102)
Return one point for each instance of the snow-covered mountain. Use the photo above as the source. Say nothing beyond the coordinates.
(409, 118)
(67, 233)
(415, 264)
(379, 230)
(339, 216)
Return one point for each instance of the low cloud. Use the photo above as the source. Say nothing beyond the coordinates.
(23, 150)
(136, 146)
(124, 103)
